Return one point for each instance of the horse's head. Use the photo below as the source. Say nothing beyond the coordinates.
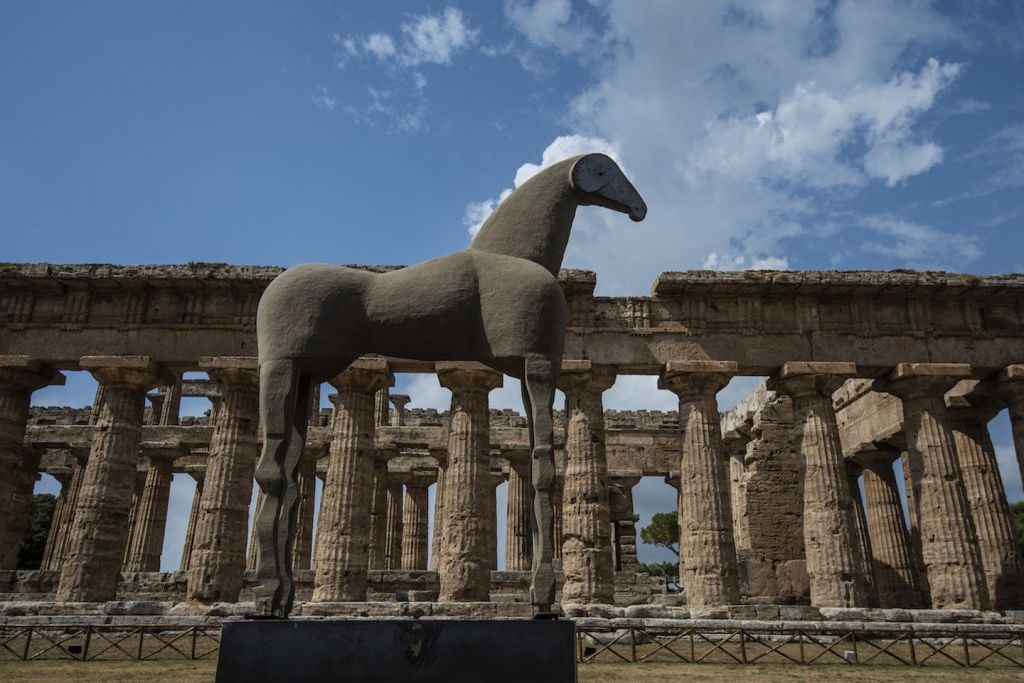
(601, 182)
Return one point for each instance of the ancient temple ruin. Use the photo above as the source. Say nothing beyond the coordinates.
(865, 370)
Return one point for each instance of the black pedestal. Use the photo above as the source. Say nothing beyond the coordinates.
(394, 650)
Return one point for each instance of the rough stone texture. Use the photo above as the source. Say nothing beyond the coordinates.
(707, 553)
(147, 539)
(378, 507)
(302, 550)
(414, 526)
(1009, 384)
(19, 377)
(465, 559)
(834, 565)
(587, 560)
(218, 548)
(100, 530)
(986, 496)
(193, 520)
(860, 524)
(518, 535)
(342, 549)
(892, 562)
(393, 536)
(948, 540)
(623, 519)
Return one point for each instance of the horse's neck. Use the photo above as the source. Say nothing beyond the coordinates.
(533, 222)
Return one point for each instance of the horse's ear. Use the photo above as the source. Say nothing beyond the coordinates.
(592, 172)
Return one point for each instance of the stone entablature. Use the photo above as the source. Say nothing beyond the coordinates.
(875, 319)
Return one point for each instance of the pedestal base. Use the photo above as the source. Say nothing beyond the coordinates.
(397, 650)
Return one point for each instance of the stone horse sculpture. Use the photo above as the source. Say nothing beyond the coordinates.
(498, 303)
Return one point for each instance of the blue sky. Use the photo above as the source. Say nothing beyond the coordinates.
(803, 134)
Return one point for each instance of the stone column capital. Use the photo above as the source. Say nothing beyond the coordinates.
(133, 372)
(365, 374)
(876, 459)
(399, 401)
(467, 376)
(915, 380)
(232, 371)
(696, 377)
(812, 378)
(163, 452)
(581, 375)
(27, 373)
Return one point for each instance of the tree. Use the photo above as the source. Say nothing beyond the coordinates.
(1017, 511)
(663, 531)
(30, 555)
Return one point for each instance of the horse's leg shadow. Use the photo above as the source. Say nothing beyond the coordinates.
(285, 396)
(539, 394)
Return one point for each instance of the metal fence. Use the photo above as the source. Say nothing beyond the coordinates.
(109, 642)
(798, 645)
(956, 646)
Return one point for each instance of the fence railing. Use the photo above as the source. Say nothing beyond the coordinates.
(109, 642)
(799, 645)
(956, 646)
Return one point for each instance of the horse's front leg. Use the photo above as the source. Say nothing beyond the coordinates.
(539, 380)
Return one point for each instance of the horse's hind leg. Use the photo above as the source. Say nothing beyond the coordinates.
(284, 407)
(539, 382)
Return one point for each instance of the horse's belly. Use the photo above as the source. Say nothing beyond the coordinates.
(429, 311)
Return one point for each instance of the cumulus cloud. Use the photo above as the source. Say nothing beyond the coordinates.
(746, 125)
(422, 39)
(550, 23)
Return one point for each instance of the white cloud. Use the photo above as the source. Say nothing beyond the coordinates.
(381, 46)
(920, 246)
(323, 99)
(433, 39)
(550, 23)
(748, 124)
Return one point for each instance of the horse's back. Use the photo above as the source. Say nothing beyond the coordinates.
(310, 308)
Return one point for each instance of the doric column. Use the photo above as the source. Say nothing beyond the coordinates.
(986, 496)
(251, 557)
(518, 536)
(949, 543)
(147, 540)
(19, 377)
(193, 519)
(707, 552)
(620, 509)
(60, 528)
(414, 524)
(156, 402)
(586, 538)
(378, 512)
(381, 408)
(59, 520)
(133, 513)
(860, 523)
(342, 549)
(437, 534)
(914, 533)
(171, 407)
(464, 564)
(891, 558)
(100, 531)
(218, 552)
(559, 519)
(1009, 385)
(835, 567)
(399, 401)
(28, 474)
(495, 480)
(736, 450)
(302, 550)
(393, 535)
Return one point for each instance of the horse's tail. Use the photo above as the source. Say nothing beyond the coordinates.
(285, 397)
